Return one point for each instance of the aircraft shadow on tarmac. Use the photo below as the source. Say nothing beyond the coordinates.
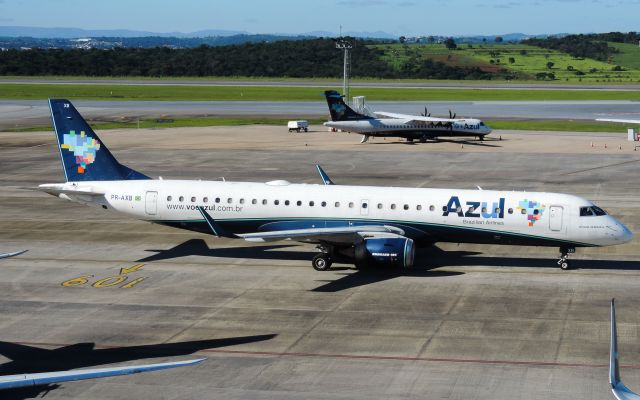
(481, 143)
(29, 359)
(198, 247)
(426, 260)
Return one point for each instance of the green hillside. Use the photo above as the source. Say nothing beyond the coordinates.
(519, 61)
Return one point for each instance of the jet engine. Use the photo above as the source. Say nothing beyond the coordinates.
(385, 249)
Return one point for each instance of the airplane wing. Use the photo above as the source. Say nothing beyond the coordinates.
(343, 235)
(619, 390)
(16, 253)
(414, 118)
(624, 121)
(46, 378)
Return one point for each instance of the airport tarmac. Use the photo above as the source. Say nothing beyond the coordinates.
(17, 113)
(468, 322)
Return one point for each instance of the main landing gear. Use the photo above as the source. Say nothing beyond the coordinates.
(322, 261)
(563, 262)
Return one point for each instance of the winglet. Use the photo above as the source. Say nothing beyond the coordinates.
(323, 175)
(619, 390)
(614, 367)
(213, 225)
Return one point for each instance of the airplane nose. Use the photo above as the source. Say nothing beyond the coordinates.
(625, 234)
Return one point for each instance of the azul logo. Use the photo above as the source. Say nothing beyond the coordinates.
(84, 148)
(533, 209)
(475, 209)
(467, 126)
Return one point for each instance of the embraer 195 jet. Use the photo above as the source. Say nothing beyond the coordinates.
(350, 224)
(405, 126)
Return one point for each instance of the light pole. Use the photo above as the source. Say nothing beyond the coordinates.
(345, 45)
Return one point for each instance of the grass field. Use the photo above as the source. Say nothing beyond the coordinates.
(256, 93)
(536, 125)
(527, 61)
(628, 56)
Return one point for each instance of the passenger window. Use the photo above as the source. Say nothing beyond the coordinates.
(418, 207)
(471, 209)
(337, 204)
(264, 202)
(205, 199)
(364, 205)
(298, 203)
(511, 211)
(523, 211)
(432, 208)
(406, 207)
(459, 209)
(254, 201)
(497, 211)
(181, 198)
(350, 204)
(241, 201)
(484, 209)
(229, 200)
(168, 198)
(379, 206)
(323, 204)
(286, 202)
(393, 206)
(193, 199)
(445, 208)
(536, 212)
(217, 199)
(311, 204)
(276, 202)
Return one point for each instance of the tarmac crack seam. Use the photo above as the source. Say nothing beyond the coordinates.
(435, 332)
(325, 314)
(564, 327)
(601, 167)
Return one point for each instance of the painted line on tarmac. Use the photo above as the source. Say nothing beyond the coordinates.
(368, 357)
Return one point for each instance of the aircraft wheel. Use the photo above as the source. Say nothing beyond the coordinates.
(321, 262)
(564, 265)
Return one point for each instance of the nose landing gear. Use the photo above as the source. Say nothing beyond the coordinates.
(563, 262)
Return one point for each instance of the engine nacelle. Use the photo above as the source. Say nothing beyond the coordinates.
(385, 249)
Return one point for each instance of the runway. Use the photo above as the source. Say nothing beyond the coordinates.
(20, 112)
(479, 322)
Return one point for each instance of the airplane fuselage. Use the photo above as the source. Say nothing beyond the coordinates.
(425, 215)
(412, 129)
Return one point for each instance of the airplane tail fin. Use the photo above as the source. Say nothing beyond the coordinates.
(84, 156)
(339, 110)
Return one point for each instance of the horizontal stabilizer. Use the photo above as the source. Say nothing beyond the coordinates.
(47, 378)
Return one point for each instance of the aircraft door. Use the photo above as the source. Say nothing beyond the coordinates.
(555, 218)
(364, 207)
(151, 203)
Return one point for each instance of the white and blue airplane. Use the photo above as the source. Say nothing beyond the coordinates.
(409, 127)
(350, 224)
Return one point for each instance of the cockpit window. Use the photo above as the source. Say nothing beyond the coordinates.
(481, 123)
(591, 211)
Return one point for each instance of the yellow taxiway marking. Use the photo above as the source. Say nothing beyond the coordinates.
(109, 281)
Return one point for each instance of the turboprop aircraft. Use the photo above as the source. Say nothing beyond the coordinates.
(410, 127)
(350, 224)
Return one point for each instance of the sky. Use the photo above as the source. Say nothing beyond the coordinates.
(397, 17)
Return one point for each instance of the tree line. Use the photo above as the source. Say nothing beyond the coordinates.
(296, 58)
(593, 45)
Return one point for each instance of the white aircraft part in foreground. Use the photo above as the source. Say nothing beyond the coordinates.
(619, 390)
(7, 255)
(624, 121)
(47, 378)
